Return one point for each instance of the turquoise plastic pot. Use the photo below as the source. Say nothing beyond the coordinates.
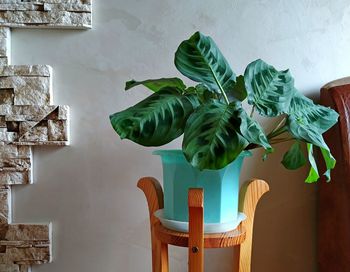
(221, 187)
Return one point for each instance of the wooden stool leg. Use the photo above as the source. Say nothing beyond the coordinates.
(154, 195)
(250, 194)
(196, 231)
(236, 256)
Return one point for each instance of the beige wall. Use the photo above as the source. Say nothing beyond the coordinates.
(88, 190)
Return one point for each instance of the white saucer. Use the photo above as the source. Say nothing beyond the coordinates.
(208, 227)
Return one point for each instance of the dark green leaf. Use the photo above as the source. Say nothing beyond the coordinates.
(157, 120)
(239, 90)
(307, 121)
(156, 85)
(252, 131)
(200, 59)
(294, 158)
(204, 94)
(269, 90)
(211, 140)
(313, 173)
(329, 160)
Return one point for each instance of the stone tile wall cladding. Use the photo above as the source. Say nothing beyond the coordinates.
(27, 119)
(47, 13)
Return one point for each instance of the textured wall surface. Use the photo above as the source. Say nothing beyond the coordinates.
(88, 190)
(28, 118)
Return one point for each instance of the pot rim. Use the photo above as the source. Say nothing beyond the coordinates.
(178, 152)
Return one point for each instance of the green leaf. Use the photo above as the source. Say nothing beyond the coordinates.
(307, 121)
(200, 59)
(211, 140)
(239, 90)
(269, 90)
(157, 120)
(203, 93)
(330, 162)
(156, 85)
(294, 157)
(252, 131)
(313, 173)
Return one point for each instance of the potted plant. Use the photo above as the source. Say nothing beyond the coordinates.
(217, 131)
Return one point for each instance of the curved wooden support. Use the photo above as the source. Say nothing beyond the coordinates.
(249, 197)
(196, 230)
(155, 199)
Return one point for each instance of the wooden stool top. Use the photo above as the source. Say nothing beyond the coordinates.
(212, 240)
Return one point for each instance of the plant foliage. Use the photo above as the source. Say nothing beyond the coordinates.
(216, 127)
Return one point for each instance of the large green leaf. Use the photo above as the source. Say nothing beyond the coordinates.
(156, 85)
(294, 157)
(157, 120)
(252, 131)
(313, 173)
(211, 140)
(269, 90)
(307, 121)
(239, 90)
(200, 59)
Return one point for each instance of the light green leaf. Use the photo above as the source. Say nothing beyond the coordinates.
(307, 121)
(313, 173)
(157, 120)
(156, 85)
(306, 111)
(211, 140)
(200, 59)
(329, 160)
(269, 91)
(252, 131)
(294, 157)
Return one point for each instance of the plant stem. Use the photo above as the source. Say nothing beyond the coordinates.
(278, 125)
(279, 140)
(273, 142)
(277, 132)
(252, 112)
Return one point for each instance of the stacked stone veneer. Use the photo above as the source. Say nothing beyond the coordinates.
(46, 13)
(29, 118)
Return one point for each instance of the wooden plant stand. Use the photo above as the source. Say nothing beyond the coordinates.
(196, 240)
